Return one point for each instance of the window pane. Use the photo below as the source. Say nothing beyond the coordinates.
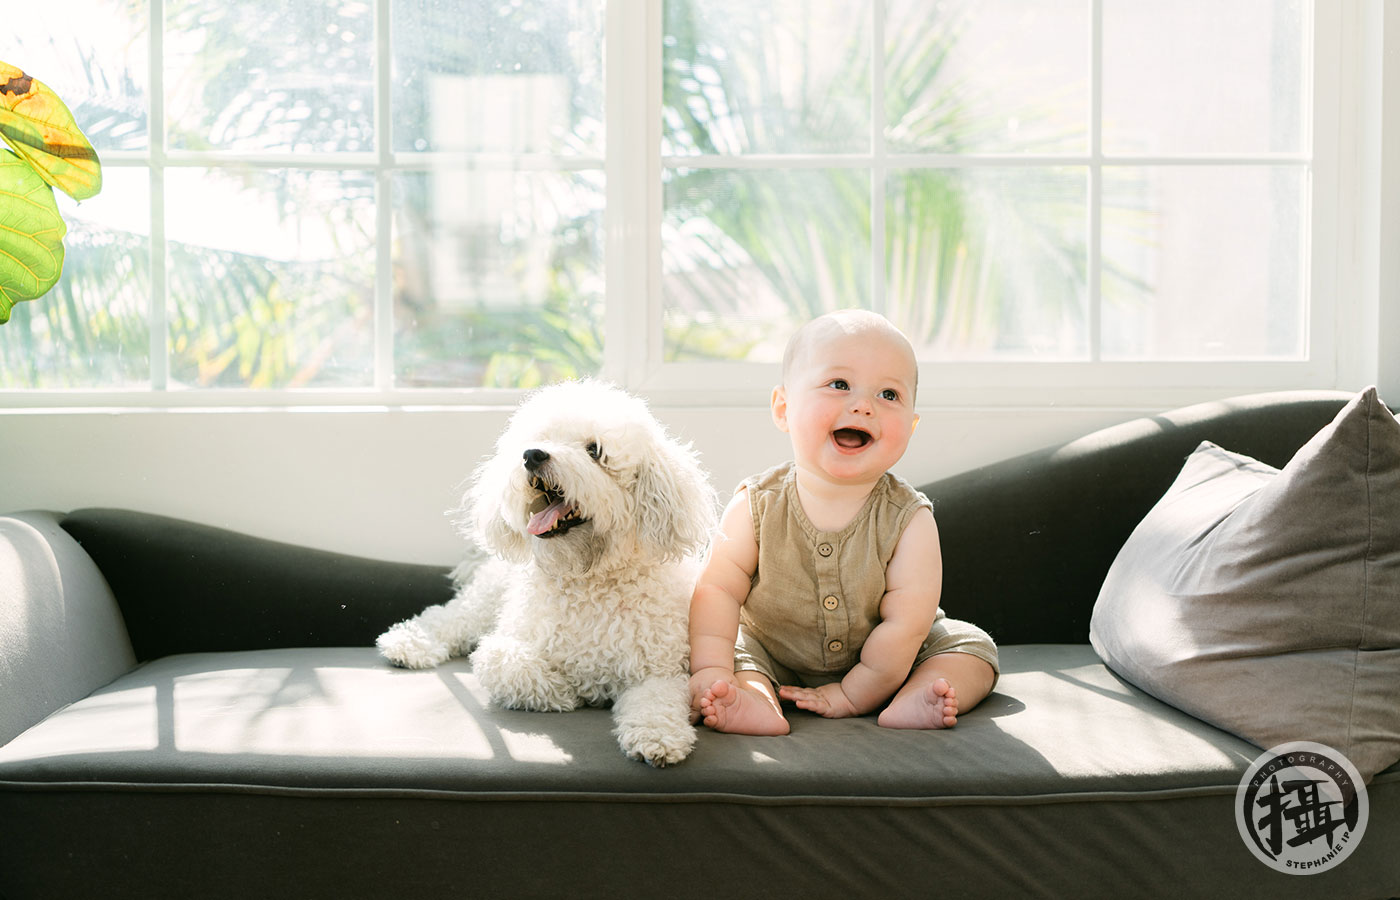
(988, 263)
(747, 256)
(498, 277)
(98, 69)
(91, 330)
(270, 75)
(781, 77)
(1203, 263)
(1204, 76)
(271, 278)
(989, 76)
(479, 76)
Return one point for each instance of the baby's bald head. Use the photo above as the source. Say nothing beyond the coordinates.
(810, 338)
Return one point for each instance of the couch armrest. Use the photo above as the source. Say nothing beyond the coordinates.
(61, 633)
(185, 587)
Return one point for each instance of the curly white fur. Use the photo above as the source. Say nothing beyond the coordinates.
(593, 610)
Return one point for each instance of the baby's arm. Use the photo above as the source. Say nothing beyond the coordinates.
(913, 584)
(722, 588)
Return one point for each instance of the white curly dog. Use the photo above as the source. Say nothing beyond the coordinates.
(597, 520)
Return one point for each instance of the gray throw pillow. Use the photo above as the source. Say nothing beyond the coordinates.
(1267, 601)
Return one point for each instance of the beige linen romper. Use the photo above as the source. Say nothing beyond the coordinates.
(816, 595)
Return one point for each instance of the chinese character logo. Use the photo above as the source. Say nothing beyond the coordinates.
(1301, 808)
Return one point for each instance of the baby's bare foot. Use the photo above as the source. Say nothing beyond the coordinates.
(729, 707)
(936, 706)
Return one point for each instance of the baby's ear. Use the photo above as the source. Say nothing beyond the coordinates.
(675, 502)
(777, 404)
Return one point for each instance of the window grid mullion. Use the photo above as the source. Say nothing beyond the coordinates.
(879, 288)
(1094, 262)
(383, 202)
(157, 319)
(651, 340)
(975, 160)
(632, 78)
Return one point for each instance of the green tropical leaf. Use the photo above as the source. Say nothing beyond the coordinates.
(41, 129)
(31, 234)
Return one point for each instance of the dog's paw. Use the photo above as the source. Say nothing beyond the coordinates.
(407, 645)
(656, 746)
(517, 677)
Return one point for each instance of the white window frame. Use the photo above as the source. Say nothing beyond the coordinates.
(1092, 383)
(1346, 54)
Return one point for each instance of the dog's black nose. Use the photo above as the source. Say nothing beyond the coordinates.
(535, 458)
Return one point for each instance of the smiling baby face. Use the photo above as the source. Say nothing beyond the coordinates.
(847, 398)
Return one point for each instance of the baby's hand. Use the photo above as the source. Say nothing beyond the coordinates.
(828, 700)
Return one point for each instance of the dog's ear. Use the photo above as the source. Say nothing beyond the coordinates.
(675, 502)
(479, 518)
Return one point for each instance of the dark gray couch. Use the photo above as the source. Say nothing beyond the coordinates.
(188, 712)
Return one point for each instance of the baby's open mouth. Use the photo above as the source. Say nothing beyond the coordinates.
(850, 438)
(551, 513)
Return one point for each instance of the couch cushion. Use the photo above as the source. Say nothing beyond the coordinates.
(342, 718)
(61, 634)
(276, 755)
(1268, 602)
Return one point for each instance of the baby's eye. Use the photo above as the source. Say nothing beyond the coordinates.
(840, 384)
(890, 394)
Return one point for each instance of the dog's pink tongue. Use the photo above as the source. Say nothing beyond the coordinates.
(546, 518)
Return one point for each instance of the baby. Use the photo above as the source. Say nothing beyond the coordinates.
(823, 587)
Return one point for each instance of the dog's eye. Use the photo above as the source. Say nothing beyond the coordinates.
(594, 450)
